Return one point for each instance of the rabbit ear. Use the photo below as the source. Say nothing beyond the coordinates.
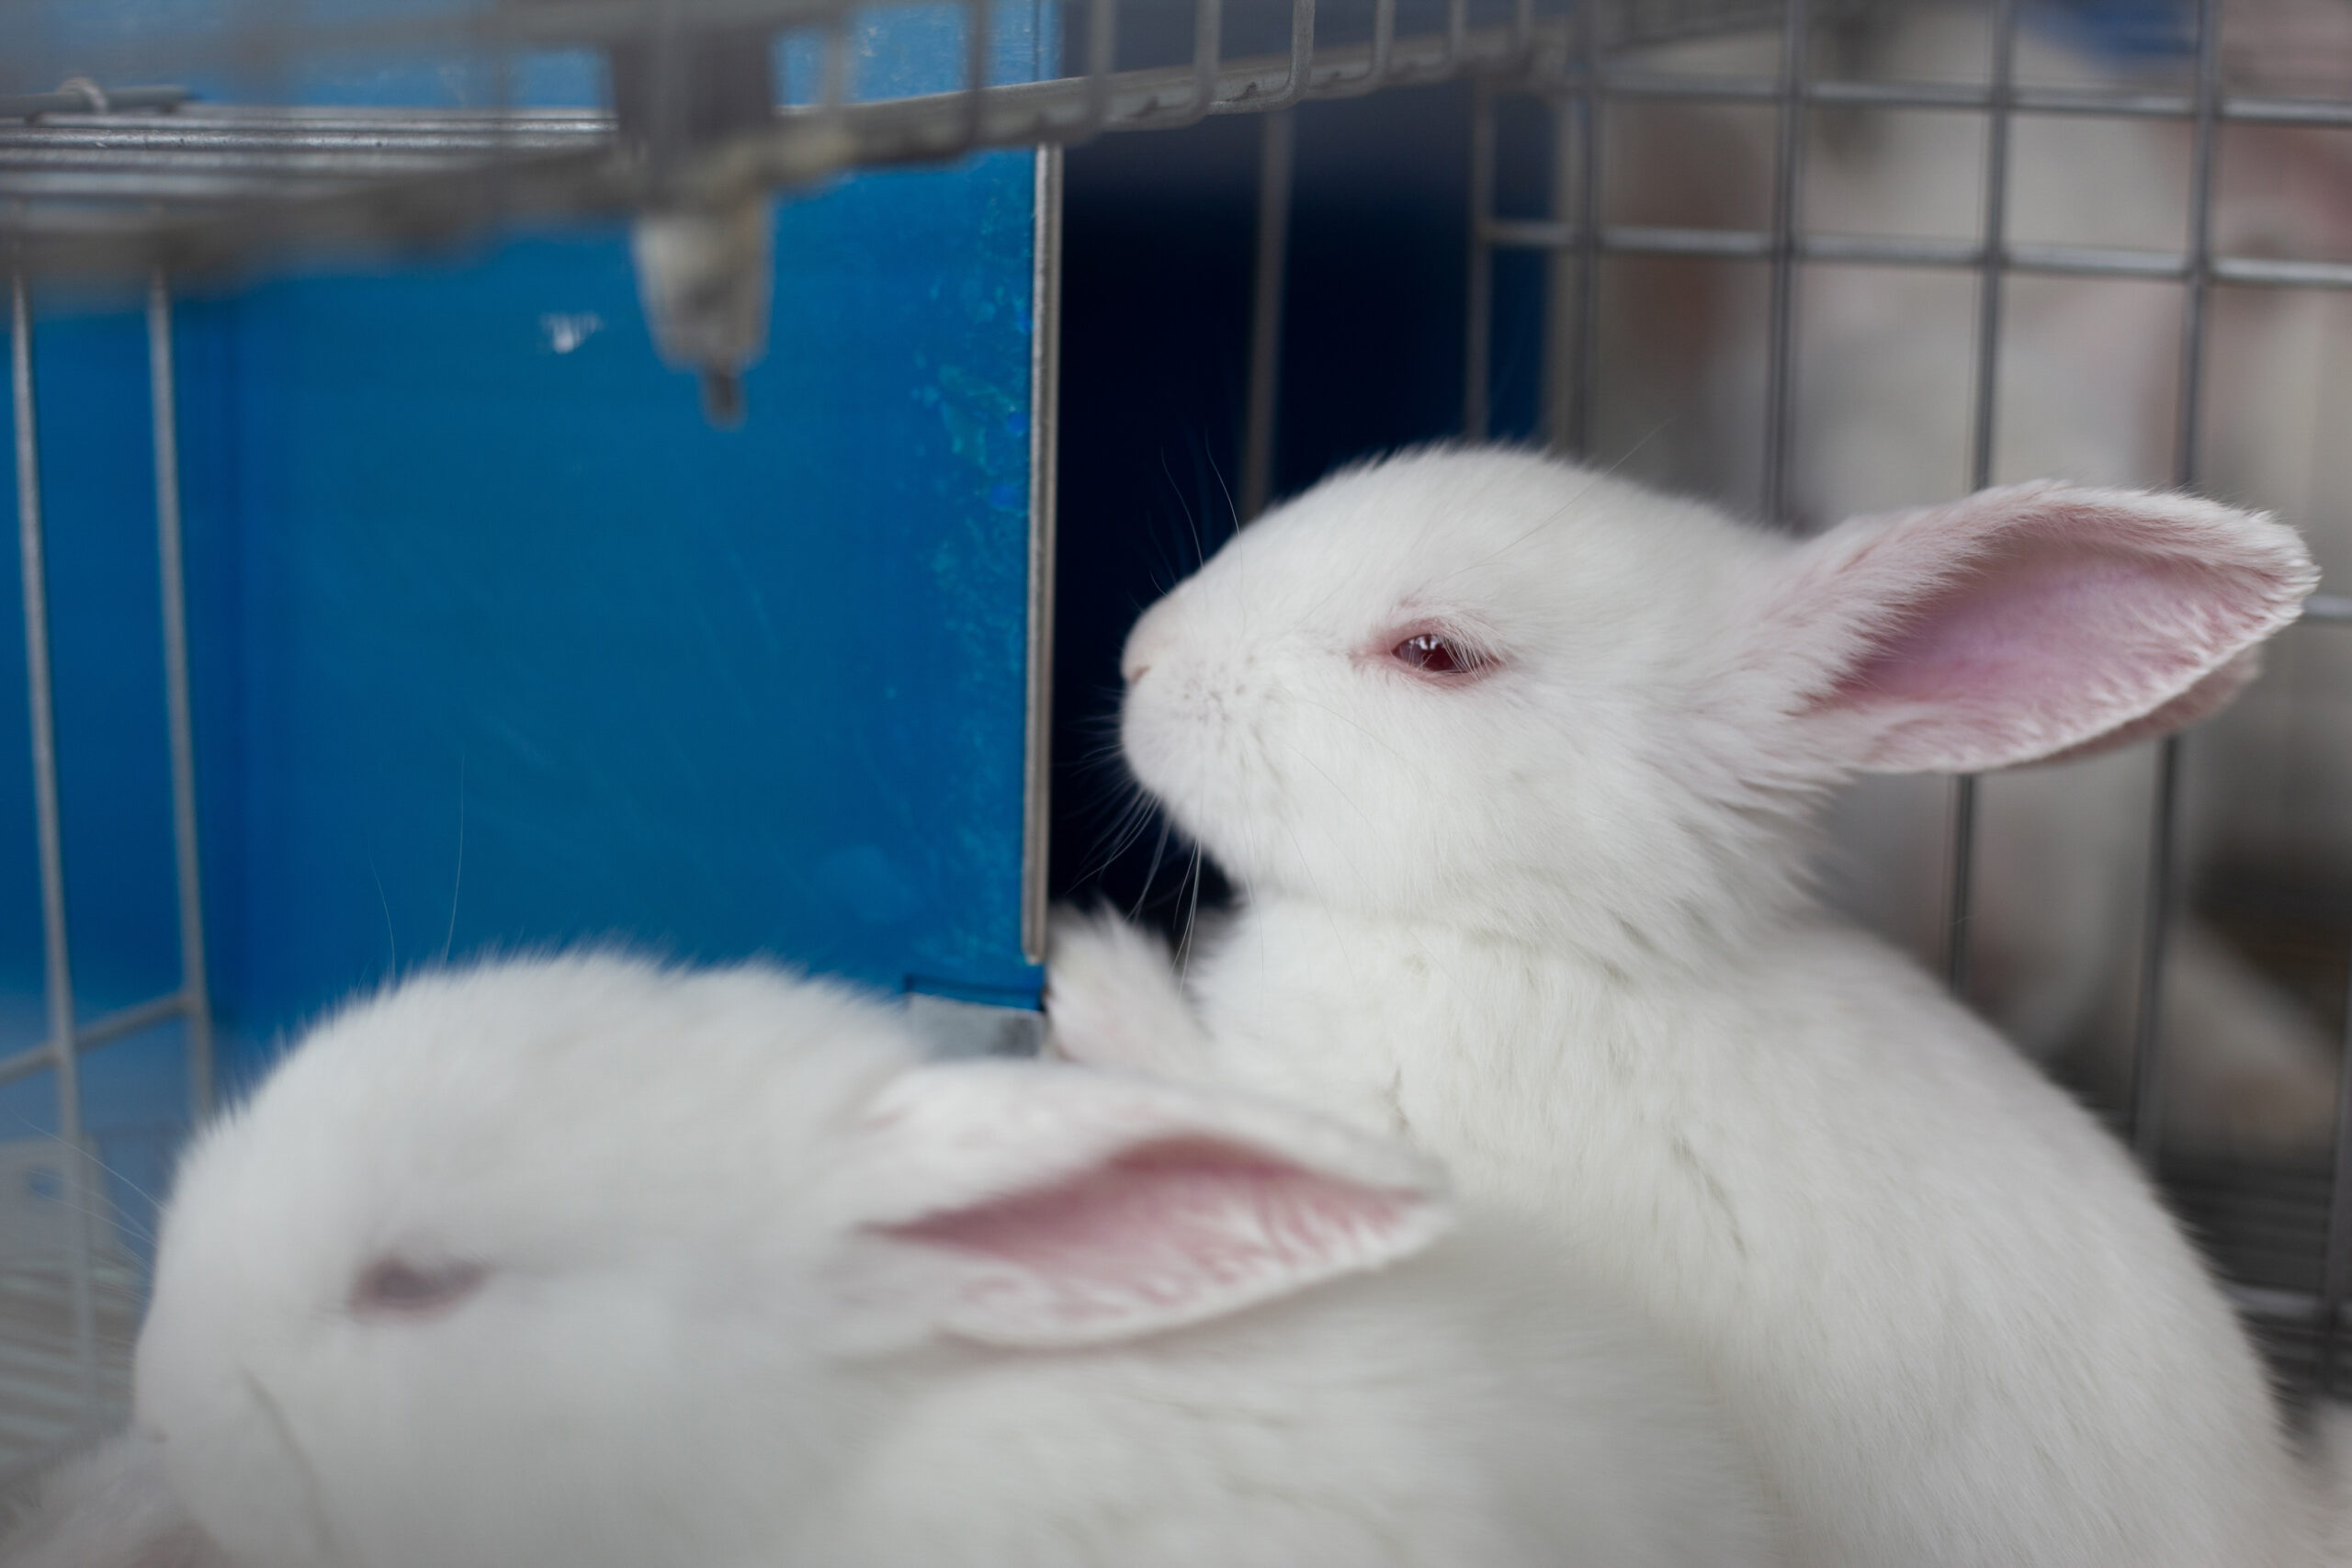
(1038, 1205)
(2023, 623)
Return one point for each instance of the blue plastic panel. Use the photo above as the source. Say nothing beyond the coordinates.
(504, 602)
(496, 643)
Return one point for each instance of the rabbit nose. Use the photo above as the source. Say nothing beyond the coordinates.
(1143, 649)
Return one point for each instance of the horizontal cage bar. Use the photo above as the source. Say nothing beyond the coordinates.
(2087, 261)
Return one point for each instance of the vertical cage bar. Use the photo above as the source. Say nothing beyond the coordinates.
(2336, 1274)
(1562, 416)
(1276, 153)
(2200, 280)
(1103, 58)
(1788, 178)
(1589, 217)
(1302, 58)
(58, 970)
(667, 64)
(1959, 880)
(2147, 1033)
(1208, 44)
(832, 84)
(1572, 346)
(2147, 1045)
(978, 32)
(1478, 290)
(1044, 449)
(196, 997)
(1983, 428)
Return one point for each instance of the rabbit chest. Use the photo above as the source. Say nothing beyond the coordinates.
(1940, 1300)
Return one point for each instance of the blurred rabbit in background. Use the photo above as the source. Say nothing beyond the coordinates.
(2087, 381)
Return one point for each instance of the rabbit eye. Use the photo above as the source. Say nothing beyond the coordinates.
(391, 1286)
(1435, 655)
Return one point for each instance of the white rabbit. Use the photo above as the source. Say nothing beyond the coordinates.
(1511, 762)
(577, 1262)
(109, 1507)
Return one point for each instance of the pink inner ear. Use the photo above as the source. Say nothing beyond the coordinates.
(2041, 644)
(1165, 1233)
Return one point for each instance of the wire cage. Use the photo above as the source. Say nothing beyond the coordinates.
(192, 148)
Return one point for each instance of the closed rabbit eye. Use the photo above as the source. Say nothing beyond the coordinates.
(1438, 653)
(395, 1287)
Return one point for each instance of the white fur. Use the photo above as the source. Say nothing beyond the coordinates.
(109, 1507)
(705, 1336)
(1548, 923)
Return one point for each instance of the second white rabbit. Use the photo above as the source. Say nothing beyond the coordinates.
(1514, 766)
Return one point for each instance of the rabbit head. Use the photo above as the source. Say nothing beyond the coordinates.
(580, 1262)
(1491, 689)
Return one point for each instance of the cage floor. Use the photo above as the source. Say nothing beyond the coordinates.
(2266, 1229)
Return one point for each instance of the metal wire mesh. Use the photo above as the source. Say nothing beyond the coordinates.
(2284, 1239)
(79, 1270)
(102, 175)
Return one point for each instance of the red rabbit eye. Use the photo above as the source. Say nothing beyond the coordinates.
(1435, 655)
(395, 1287)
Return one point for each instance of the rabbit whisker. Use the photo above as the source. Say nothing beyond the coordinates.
(391, 939)
(457, 879)
(1151, 871)
(1192, 919)
(1182, 505)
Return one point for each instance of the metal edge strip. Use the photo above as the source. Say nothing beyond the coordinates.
(1045, 416)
